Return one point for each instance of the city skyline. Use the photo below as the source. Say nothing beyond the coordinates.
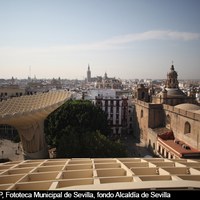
(127, 39)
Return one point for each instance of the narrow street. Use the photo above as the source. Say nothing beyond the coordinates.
(134, 148)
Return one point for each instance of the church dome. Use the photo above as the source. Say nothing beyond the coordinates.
(172, 73)
(175, 92)
(172, 81)
(188, 106)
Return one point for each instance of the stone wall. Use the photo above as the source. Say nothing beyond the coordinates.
(178, 119)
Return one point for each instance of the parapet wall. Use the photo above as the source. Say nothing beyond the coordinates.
(185, 113)
(147, 105)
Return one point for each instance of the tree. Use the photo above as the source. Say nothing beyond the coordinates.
(89, 145)
(69, 144)
(79, 129)
(99, 146)
(82, 115)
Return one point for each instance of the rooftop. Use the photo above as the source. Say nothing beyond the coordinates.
(20, 110)
(179, 147)
(100, 174)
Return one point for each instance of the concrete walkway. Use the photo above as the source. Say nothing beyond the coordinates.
(10, 150)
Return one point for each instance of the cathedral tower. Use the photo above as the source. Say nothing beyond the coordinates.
(88, 74)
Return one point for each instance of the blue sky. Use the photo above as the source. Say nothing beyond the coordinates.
(125, 38)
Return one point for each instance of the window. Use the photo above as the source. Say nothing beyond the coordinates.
(159, 149)
(117, 116)
(124, 122)
(167, 154)
(106, 109)
(143, 95)
(168, 121)
(111, 103)
(111, 109)
(106, 102)
(117, 103)
(141, 114)
(163, 151)
(117, 109)
(187, 128)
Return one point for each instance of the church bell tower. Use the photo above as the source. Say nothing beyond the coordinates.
(88, 74)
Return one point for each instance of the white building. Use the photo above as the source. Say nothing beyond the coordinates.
(117, 108)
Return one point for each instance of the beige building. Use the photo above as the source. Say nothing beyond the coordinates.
(169, 111)
(117, 112)
(9, 91)
(108, 83)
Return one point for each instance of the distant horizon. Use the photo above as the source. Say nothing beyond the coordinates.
(65, 78)
(125, 38)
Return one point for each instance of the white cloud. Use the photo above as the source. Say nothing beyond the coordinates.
(153, 35)
(116, 42)
(112, 43)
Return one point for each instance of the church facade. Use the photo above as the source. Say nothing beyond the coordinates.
(168, 122)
